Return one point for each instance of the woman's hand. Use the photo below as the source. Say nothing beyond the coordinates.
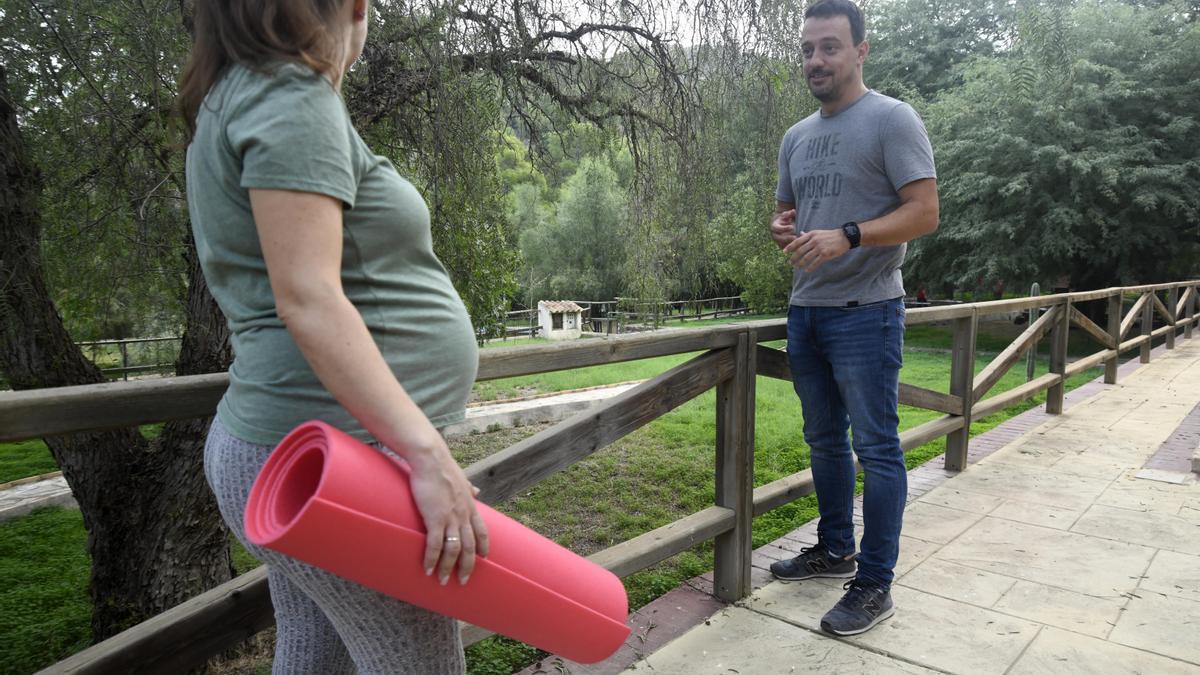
(455, 532)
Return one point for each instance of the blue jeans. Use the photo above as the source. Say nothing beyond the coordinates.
(845, 365)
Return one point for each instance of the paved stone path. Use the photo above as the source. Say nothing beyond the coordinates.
(1050, 554)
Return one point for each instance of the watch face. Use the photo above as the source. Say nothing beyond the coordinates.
(852, 233)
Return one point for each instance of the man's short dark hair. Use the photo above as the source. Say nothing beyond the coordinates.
(827, 9)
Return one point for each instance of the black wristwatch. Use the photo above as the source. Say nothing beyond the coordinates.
(852, 233)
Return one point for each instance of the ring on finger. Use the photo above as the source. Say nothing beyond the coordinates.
(451, 539)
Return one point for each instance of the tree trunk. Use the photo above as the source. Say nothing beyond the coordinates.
(154, 534)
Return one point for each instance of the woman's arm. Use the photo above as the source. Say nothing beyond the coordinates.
(301, 238)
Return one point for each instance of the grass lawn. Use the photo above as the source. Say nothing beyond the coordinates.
(656, 475)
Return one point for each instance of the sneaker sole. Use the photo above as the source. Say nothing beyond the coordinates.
(824, 575)
(886, 615)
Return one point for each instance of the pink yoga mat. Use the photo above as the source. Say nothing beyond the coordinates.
(334, 502)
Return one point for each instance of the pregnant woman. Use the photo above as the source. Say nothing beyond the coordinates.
(320, 255)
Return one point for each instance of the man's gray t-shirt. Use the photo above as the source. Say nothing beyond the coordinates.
(847, 167)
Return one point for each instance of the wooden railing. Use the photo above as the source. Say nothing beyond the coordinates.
(730, 358)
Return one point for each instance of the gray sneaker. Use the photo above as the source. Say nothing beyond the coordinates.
(864, 605)
(814, 562)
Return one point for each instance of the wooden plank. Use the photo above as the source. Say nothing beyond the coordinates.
(1019, 304)
(1000, 365)
(931, 430)
(1160, 331)
(1183, 300)
(1058, 360)
(1099, 334)
(767, 330)
(1091, 361)
(530, 359)
(37, 413)
(919, 315)
(1162, 310)
(1189, 312)
(1114, 331)
(782, 491)
(1151, 288)
(771, 362)
(1015, 395)
(1172, 296)
(671, 539)
(1147, 326)
(735, 474)
(1134, 342)
(520, 466)
(962, 369)
(635, 555)
(1133, 315)
(920, 397)
(184, 637)
(1101, 294)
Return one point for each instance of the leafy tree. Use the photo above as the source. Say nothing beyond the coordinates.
(580, 253)
(1067, 156)
(919, 46)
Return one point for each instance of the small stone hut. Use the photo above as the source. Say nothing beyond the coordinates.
(560, 319)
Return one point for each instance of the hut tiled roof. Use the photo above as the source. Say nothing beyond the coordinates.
(557, 306)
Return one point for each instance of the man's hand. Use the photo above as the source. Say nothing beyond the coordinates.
(812, 249)
(783, 227)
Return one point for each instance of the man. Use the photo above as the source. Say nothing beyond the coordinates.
(856, 182)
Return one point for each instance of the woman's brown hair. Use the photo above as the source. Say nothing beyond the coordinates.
(256, 34)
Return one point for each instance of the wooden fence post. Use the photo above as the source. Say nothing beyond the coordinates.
(962, 376)
(1115, 302)
(735, 472)
(1147, 327)
(1058, 359)
(1172, 299)
(1189, 312)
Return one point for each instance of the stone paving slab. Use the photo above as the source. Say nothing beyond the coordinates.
(737, 640)
(1061, 652)
(1162, 624)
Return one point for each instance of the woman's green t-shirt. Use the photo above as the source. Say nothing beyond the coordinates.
(289, 129)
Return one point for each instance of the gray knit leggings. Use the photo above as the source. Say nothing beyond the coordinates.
(327, 624)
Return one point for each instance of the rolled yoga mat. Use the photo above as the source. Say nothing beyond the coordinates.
(336, 503)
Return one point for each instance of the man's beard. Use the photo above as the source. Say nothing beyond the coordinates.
(829, 89)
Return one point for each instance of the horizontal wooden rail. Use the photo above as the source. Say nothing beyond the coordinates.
(1162, 331)
(184, 637)
(657, 545)
(1091, 361)
(531, 359)
(782, 491)
(920, 435)
(112, 405)
(1133, 343)
(1020, 304)
(773, 363)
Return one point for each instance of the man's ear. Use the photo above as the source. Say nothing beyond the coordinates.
(863, 48)
(360, 9)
